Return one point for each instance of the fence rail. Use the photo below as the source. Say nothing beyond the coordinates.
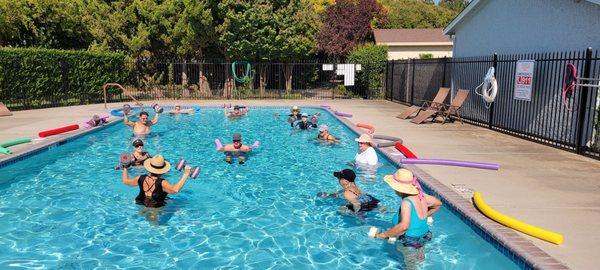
(206, 79)
(544, 119)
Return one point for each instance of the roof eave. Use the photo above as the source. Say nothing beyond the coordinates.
(449, 30)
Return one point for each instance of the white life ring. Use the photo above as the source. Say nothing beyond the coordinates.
(489, 87)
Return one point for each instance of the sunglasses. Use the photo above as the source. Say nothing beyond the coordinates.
(139, 146)
(236, 141)
(144, 118)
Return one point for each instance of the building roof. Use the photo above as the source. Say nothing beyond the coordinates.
(450, 29)
(431, 36)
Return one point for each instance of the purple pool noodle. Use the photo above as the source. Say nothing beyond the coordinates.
(218, 144)
(458, 163)
(325, 106)
(343, 114)
(255, 145)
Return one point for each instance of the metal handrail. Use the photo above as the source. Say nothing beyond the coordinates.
(106, 85)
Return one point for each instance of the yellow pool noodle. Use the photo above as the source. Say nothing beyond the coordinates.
(518, 225)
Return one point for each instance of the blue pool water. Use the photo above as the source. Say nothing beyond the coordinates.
(67, 207)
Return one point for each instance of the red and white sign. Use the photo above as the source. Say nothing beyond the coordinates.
(524, 79)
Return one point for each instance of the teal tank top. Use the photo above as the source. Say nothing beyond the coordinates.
(417, 227)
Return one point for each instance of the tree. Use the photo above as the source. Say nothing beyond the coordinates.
(348, 24)
(454, 5)
(42, 23)
(417, 14)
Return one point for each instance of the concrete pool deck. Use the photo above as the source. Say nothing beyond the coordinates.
(551, 188)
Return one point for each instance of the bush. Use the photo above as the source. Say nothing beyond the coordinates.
(425, 56)
(34, 78)
(372, 59)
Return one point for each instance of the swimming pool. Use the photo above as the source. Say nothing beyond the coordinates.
(67, 207)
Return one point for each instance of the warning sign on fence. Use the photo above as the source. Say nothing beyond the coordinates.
(524, 79)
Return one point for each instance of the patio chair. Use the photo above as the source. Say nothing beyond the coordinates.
(445, 111)
(436, 103)
(4, 111)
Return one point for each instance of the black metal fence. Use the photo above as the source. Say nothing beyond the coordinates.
(206, 79)
(543, 119)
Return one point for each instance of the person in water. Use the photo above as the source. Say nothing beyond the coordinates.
(139, 155)
(304, 123)
(177, 110)
(236, 148)
(142, 126)
(294, 115)
(366, 155)
(358, 201)
(324, 134)
(412, 228)
(153, 188)
(237, 112)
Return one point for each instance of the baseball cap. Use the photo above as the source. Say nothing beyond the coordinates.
(137, 142)
(237, 137)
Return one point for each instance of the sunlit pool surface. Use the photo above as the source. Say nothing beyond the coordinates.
(67, 207)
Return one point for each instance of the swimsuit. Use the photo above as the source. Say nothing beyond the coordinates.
(139, 162)
(367, 202)
(418, 231)
(157, 199)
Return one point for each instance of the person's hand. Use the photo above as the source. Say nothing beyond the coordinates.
(187, 170)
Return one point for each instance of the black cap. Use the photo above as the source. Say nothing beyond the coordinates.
(237, 137)
(346, 174)
(137, 143)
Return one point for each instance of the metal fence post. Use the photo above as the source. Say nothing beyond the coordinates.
(412, 83)
(491, 119)
(445, 59)
(583, 100)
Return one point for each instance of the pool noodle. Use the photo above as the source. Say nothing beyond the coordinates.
(447, 162)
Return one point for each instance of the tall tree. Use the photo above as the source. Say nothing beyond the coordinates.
(347, 24)
(417, 14)
(42, 23)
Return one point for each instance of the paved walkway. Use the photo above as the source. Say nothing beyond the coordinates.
(541, 185)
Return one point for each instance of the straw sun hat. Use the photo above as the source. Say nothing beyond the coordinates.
(157, 165)
(402, 181)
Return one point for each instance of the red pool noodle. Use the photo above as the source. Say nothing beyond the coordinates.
(60, 130)
(405, 151)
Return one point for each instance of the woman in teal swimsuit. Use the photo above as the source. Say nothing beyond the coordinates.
(414, 210)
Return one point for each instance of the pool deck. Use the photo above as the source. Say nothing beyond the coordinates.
(548, 187)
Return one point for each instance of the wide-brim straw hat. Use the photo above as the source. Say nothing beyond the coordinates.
(401, 181)
(157, 165)
(364, 138)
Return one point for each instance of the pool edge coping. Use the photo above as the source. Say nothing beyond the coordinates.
(508, 239)
(529, 253)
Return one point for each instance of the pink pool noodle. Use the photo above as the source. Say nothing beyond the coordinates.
(458, 163)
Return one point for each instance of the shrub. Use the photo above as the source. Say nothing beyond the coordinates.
(425, 56)
(372, 59)
(33, 78)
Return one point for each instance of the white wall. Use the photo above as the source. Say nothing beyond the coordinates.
(405, 52)
(523, 26)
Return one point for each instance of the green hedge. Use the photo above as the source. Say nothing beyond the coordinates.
(35, 78)
(373, 59)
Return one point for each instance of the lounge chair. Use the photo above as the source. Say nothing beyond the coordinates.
(4, 111)
(435, 104)
(445, 111)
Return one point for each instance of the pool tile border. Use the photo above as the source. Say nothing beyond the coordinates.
(511, 244)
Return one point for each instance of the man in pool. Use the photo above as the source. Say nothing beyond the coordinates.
(238, 111)
(304, 123)
(142, 126)
(236, 148)
(178, 110)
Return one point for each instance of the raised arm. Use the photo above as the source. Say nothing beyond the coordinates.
(128, 181)
(155, 119)
(400, 228)
(126, 120)
(172, 189)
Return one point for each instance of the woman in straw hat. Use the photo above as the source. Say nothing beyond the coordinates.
(414, 210)
(366, 153)
(154, 188)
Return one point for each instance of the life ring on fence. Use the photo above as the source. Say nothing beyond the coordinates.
(569, 85)
(489, 87)
(59, 130)
(405, 151)
(370, 129)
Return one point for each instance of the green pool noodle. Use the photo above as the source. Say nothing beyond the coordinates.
(15, 142)
(5, 151)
